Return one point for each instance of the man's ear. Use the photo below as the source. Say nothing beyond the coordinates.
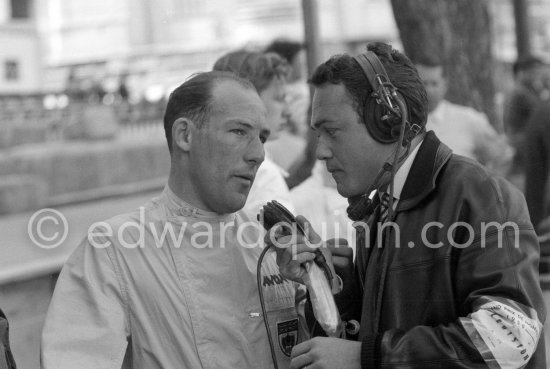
(182, 132)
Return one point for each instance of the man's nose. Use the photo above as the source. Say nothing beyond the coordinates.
(255, 154)
(322, 152)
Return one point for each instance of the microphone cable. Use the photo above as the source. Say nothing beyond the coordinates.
(262, 303)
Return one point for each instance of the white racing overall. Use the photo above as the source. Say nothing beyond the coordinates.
(186, 300)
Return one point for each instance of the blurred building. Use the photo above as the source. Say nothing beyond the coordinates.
(158, 43)
(20, 54)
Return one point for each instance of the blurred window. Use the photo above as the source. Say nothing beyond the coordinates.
(11, 68)
(189, 8)
(20, 9)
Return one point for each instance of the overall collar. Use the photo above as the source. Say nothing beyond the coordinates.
(182, 208)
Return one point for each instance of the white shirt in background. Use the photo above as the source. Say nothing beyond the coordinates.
(468, 133)
(318, 200)
(268, 185)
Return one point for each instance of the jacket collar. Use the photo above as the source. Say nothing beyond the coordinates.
(431, 158)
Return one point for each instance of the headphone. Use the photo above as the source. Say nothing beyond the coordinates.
(384, 109)
(384, 114)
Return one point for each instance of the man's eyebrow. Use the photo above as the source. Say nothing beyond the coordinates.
(319, 123)
(240, 123)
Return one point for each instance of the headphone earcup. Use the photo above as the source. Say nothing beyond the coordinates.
(381, 124)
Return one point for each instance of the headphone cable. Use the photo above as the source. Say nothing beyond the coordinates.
(396, 158)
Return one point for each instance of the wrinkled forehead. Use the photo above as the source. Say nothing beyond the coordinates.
(232, 100)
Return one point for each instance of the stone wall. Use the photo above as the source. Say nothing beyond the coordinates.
(36, 175)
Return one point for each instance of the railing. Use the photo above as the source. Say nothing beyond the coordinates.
(45, 117)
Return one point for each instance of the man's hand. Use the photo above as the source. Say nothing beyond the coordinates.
(326, 353)
(342, 254)
(293, 251)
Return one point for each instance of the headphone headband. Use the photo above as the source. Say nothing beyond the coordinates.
(373, 69)
(383, 90)
(383, 115)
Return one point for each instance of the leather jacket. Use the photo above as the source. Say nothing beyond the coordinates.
(6, 357)
(436, 295)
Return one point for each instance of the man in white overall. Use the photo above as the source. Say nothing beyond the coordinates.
(173, 284)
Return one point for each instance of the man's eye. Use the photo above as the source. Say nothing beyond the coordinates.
(331, 131)
(237, 131)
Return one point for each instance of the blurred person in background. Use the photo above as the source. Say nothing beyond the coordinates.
(73, 87)
(296, 153)
(301, 160)
(173, 284)
(122, 90)
(291, 143)
(466, 131)
(520, 104)
(268, 73)
(297, 89)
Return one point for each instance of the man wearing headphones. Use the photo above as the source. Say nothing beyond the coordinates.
(446, 271)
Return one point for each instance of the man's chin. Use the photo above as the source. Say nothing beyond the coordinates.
(232, 205)
(348, 192)
(343, 190)
(236, 205)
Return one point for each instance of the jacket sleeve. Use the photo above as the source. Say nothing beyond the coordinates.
(537, 164)
(86, 325)
(499, 304)
(6, 357)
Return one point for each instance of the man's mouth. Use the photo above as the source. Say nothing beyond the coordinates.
(336, 174)
(248, 177)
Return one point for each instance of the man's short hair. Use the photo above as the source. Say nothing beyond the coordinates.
(257, 67)
(286, 48)
(193, 99)
(401, 72)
